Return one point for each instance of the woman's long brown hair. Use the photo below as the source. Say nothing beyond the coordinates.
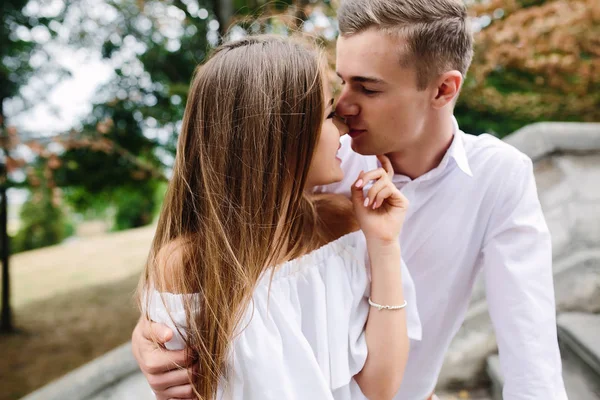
(236, 203)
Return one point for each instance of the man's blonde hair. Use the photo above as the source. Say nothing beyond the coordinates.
(437, 32)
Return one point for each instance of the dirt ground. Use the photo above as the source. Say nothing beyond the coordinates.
(64, 332)
(71, 304)
(43, 273)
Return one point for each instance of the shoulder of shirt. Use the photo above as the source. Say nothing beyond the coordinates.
(502, 165)
(490, 150)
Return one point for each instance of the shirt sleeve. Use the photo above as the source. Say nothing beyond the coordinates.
(168, 308)
(517, 264)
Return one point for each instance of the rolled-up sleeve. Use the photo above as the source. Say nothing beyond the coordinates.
(517, 264)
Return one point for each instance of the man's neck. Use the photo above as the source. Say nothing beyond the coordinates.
(426, 153)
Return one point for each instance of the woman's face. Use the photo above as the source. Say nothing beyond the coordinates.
(325, 167)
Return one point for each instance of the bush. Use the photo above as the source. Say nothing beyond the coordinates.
(135, 206)
(43, 222)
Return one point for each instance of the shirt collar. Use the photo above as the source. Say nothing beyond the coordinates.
(456, 151)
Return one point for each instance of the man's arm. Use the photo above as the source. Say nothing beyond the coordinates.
(517, 263)
(161, 367)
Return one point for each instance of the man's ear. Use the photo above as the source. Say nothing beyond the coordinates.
(447, 88)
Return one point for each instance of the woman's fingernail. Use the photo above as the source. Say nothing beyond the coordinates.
(367, 202)
(359, 183)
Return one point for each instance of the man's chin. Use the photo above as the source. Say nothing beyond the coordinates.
(360, 147)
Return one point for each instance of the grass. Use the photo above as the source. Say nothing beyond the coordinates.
(71, 304)
(43, 273)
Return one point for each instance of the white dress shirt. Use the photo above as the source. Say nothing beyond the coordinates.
(477, 211)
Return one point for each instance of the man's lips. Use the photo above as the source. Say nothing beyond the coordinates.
(355, 132)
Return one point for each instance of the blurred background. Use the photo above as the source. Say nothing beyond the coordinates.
(92, 94)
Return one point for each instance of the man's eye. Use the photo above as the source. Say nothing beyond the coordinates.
(367, 91)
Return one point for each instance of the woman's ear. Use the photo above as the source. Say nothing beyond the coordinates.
(447, 88)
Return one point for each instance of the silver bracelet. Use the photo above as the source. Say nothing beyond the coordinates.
(382, 307)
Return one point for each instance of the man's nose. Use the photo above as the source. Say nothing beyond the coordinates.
(346, 106)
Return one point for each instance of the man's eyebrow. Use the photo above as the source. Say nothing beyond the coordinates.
(363, 79)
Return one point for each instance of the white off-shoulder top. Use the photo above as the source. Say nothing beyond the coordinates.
(305, 339)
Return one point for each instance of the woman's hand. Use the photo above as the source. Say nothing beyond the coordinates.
(381, 213)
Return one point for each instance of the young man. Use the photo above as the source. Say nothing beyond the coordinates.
(474, 204)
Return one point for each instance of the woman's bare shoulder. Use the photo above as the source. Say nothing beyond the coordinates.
(170, 262)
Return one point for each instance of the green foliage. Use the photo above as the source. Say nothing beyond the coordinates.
(16, 71)
(536, 60)
(90, 206)
(17, 47)
(43, 222)
(139, 112)
(478, 122)
(159, 196)
(101, 166)
(135, 206)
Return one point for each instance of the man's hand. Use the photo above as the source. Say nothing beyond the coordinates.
(165, 370)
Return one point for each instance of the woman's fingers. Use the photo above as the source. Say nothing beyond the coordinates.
(382, 188)
(386, 164)
(358, 184)
(382, 183)
(382, 195)
(166, 380)
(374, 191)
(152, 358)
(371, 176)
(176, 392)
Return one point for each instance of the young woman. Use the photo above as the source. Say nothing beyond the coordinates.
(266, 285)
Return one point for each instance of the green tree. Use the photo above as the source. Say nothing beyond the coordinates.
(43, 220)
(120, 151)
(155, 46)
(21, 36)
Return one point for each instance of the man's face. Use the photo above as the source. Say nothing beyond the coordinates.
(384, 110)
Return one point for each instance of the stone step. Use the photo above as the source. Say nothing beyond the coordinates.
(114, 375)
(579, 338)
(134, 387)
